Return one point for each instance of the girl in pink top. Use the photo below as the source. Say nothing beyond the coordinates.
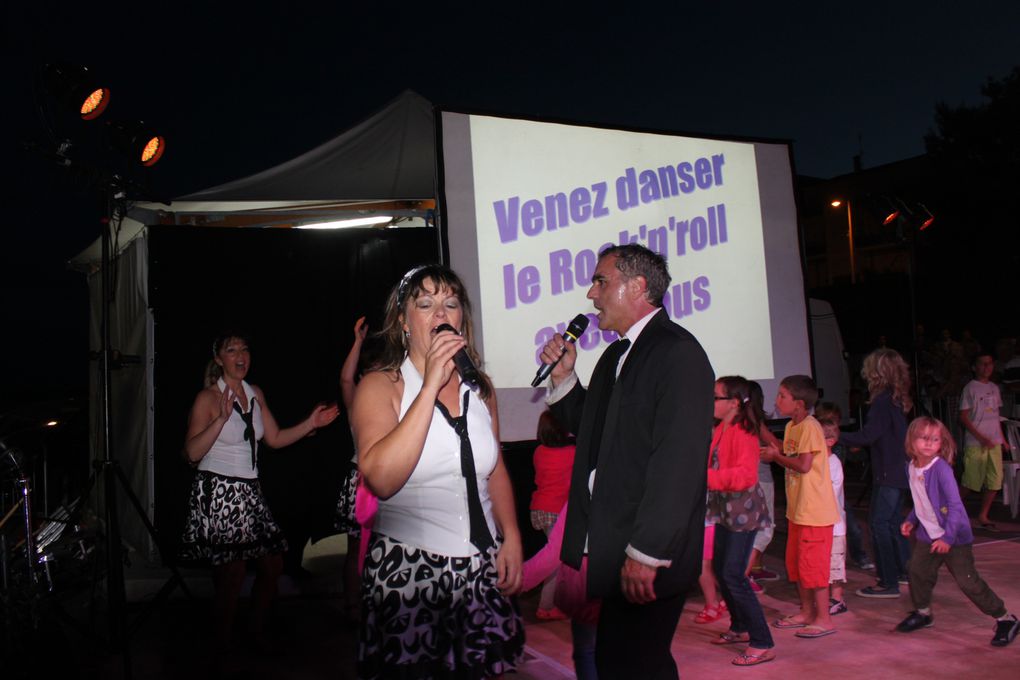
(737, 505)
(554, 461)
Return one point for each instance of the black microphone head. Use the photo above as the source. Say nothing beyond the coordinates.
(578, 326)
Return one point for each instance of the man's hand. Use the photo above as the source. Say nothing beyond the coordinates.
(560, 350)
(637, 582)
(939, 546)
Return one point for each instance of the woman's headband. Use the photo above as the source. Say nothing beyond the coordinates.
(405, 283)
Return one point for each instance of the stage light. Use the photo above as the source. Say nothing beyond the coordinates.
(343, 224)
(153, 150)
(95, 103)
(52, 423)
(836, 203)
(891, 216)
(74, 86)
(928, 218)
(137, 141)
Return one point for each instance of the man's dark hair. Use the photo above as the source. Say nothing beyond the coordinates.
(636, 260)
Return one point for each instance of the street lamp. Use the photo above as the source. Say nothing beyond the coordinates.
(849, 235)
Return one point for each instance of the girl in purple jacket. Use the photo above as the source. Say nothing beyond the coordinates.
(943, 532)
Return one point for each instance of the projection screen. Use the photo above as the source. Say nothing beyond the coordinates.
(528, 206)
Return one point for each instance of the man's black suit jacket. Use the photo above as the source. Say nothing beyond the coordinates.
(651, 474)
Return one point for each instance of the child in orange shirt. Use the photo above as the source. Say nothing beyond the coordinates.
(810, 506)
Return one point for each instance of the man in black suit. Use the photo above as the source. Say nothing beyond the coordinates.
(637, 495)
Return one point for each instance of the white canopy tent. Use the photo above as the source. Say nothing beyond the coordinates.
(385, 165)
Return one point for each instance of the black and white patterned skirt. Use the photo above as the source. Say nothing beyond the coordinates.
(228, 521)
(345, 521)
(430, 616)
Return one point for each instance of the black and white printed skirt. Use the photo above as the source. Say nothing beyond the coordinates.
(430, 616)
(346, 522)
(228, 521)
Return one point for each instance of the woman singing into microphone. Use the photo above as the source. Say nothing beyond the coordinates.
(445, 554)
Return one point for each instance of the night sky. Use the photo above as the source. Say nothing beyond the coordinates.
(240, 90)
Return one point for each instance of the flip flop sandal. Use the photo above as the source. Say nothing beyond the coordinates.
(745, 659)
(787, 622)
(812, 632)
(730, 637)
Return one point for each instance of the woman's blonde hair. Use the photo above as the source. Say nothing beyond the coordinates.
(918, 426)
(885, 369)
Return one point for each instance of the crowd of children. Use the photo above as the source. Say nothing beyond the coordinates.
(915, 459)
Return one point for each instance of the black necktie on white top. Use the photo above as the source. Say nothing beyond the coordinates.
(480, 536)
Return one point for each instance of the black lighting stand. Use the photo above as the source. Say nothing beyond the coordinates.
(107, 469)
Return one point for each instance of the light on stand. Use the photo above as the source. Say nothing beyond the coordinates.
(75, 88)
(137, 141)
(835, 203)
(927, 217)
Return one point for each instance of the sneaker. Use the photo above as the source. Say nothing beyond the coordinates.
(903, 580)
(763, 574)
(1005, 631)
(916, 621)
(836, 607)
(756, 587)
(878, 591)
(865, 564)
(553, 614)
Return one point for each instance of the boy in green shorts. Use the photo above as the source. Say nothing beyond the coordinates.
(983, 439)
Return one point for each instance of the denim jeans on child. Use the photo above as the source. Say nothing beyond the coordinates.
(731, 552)
(892, 552)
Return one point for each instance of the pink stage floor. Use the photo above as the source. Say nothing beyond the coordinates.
(865, 646)
(315, 642)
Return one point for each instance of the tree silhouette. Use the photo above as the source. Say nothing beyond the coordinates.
(974, 246)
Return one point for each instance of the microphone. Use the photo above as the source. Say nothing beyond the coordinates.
(465, 367)
(573, 332)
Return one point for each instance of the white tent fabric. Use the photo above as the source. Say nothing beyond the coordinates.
(391, 156)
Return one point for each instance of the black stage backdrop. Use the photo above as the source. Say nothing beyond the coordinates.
(297, 294)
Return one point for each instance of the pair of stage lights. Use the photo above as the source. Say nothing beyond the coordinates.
(76, 90)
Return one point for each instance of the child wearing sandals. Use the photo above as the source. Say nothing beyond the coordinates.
(810, 507)
(943, 533)
(714, 608)
(837, 560)
(737, 505)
